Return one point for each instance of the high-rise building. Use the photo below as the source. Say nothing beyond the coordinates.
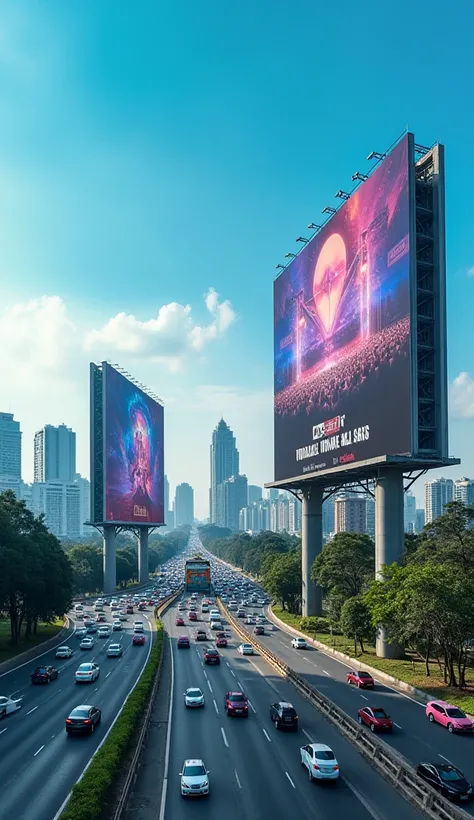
(169, 513)
(85, 488)
(294, 516)
(224, 464)
(351, 513)
(10, 450)
(370, 516)
(283, 514)
(61, 503)
(255, 493)
(420, 519)
(464, 491)
(409, 512)
(183, 505)
(232, 497)
(439, 492)
(329, 512)
(273, 494)
(55, 454)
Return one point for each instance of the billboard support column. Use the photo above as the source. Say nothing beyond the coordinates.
(389, 538)
(143, 573)
(311, 546)
(110, 569)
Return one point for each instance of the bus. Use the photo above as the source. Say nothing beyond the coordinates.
(198, 575)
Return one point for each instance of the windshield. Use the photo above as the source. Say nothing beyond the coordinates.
(80, 713)
(379, 713)
(449, 773)
(194, 771)
(364, 675)
(85, 667)
(194, 693)
(236, 698)
(41, 670)
(322, 754)
(455, 713)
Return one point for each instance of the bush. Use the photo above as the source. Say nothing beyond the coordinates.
(313, 624)
(89, 796)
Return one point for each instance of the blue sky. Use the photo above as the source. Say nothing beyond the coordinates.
(152, 151)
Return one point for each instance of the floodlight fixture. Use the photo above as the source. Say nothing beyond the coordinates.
(420, 149)
(313, 227)
(328, 210)
(342, 195)
(280, 267)
(376, 155)
(302, 239)
(358, 177)
(290, 255)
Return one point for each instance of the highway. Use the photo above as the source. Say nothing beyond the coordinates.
(255, 771)
(39, 763)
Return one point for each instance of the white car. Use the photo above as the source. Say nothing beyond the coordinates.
(299, 643)
(9, 705)
(246, 649)
(193, 697)
(87, 643)
(115, 650)
(138, 626)
(116, 626)
(81, 633)
(320, 761)
(87, 673)
(64, 652)
(194, 778)
(103, 632)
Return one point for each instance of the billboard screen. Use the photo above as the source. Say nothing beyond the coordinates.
(133, 445)
(342, 333)
(198, 576)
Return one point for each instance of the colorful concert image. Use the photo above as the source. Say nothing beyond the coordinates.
(342, 333)
(134, 453)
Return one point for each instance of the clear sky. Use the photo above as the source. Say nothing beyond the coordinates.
(157, 160)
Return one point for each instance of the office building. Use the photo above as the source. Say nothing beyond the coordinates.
(169, 513)
(55, 454)
(283, 514)
(420, 519)
(273, 494)
(294, 516)
(183, 505)
(329, 512)
(438, 493)
(10, 450)
(224, 464)
(255, 493)
(62, 504)
(232, 495)
(351, 513)
(464, 491)
(85, 488)
(370, 516)
(409, 512)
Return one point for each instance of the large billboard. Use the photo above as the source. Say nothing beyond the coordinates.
(133, 444)
(198, 576)
(342, 372)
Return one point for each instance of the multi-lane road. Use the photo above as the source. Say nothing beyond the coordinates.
(38, 762)
(255, 771)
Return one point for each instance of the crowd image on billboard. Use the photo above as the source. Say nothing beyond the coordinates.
(134, 484)
(342, 333)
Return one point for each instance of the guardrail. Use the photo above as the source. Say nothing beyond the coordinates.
(132, 773)
(389, 763)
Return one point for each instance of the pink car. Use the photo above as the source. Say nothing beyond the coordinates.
(438, 711)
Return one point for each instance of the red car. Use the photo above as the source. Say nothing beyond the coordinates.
(138, 640)
(179, 621)
(375, 718)
(221, 642)
(361, 679)
(212, 656)
(183, 642)
(235, 703)
(192, 616)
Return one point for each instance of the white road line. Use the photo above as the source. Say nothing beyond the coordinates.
(224, 737)
(209, 685)
(444, 758)
(239, 684)
(205, 673)
(264, 676)
(253, 710)
(168, 741)
(308, 736)
(237, 778)
(397, 725)
(326, 673)
(215, 707)
(3, 730)
(227, 662)
(370, 809)
(307, 661)
(363, 697)
(107, 675)
(232, 672)
(39, 750)
(32, 710)
(267, 735)
(289, 778)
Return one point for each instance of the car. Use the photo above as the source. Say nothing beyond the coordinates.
(193, 697)
(116, 626)
(211, 656)
(192, 616)
(235, 703)
(241, 613)
(284, 715)
(259, 630)
(221, 642)
(200, 635)
(183, 642)
(138, 640)
(299, 643)
(245, 649)
(251, 621)
(44, 674)
(138, 626)
(91, 628)
(9, 705)
(361, 679)
(87, 673)
(129, 610)
(114, 650)
(81, 633)
(446, 779)
(194, 778)
(320, 761)
(103, 632)
(64, 652)
(100, 618)
(83, 720)
(179, 622)
(375, 718)
(123, 616)
(453, 718)
(87, 643)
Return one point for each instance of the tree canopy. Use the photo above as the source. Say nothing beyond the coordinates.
(346, 564)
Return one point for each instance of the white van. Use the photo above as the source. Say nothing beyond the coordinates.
(214, 615)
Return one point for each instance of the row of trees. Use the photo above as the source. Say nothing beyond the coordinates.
(36, 577)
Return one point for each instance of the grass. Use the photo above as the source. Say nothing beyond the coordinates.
(43, 633)
(410, 669)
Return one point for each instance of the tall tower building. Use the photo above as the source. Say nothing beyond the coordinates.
(224, 464)
(464, 491)
(351, 514)
(232, 497)
(409, 512)
(255, 493)
(10, 450)
(328, 517)
(183, 505)
(55, 454)
(438, 493)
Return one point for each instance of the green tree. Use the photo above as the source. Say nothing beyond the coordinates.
(346, 564)
(356, 621)
(282, 579)
(87, 567)
(449, 539)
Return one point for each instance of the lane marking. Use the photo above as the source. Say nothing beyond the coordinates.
(308, 736)
(307, 661)
(445, 758)
(232, 672)
(3, 730)
(224, 737)
(209, 685)
(363, 697)
(289, 778)
(260, 672)
(215, 707)
(326, 673)
(253, 710)
(370, 809)
(237, 778)
(168, 741)
(107, 675)
(39, 750)
(205, 673)
(267, 735)
(239, 684)
(397, 725)
(32, 710)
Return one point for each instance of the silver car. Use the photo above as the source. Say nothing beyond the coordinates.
(193, 697)
(194, 779)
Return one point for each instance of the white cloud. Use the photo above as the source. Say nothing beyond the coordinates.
(470, 271)
(168, 338)
(462, 396)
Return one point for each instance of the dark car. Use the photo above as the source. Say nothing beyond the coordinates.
(183, 642)
(44, 674)
(236, 704)
(284, 716)
(375, 718)
(129, 610)
(361, 679)
(212, 656)
(83, 720)
(259, 630)
(447, 780)
(138, 640)
(200, 635)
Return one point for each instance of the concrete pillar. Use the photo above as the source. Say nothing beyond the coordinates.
(110, 568)
(389, 537)
(311, 546)
(143, 556)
